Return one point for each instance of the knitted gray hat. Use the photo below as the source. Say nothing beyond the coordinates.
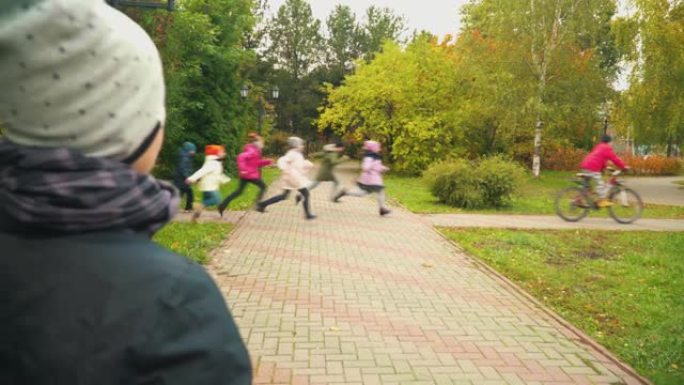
(295, 142)
(78, 74)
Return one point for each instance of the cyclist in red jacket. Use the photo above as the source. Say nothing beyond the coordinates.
(594, 164)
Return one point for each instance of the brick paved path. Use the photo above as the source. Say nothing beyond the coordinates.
(353, 298)
(531, 222)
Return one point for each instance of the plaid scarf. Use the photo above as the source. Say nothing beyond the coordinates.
(57, 190)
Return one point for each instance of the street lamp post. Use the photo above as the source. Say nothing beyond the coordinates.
(605, 114)
(275, 94)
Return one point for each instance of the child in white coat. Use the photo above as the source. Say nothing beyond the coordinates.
(210, 178)
(295, 169)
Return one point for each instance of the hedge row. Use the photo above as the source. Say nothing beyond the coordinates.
(569, 159)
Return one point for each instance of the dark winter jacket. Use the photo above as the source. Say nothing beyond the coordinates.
(86, 297)
(184, 165)
(112, 308)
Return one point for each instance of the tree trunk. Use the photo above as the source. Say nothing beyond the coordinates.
(390, 140)
(536, 159)
(541, 58)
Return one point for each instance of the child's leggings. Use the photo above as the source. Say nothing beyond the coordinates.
(333, 192)
(362, 193)
(241, 187)
(601, 189)
(286, 193)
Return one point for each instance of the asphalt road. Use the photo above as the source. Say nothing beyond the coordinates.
(659, 190)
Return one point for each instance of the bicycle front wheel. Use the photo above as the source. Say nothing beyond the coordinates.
(571, 204)
(626, 205)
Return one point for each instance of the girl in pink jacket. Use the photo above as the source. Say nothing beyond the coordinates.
(249, 164)
(370, 180)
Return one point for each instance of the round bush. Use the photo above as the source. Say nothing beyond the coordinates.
(455, 183)
(499, 178)
(486, 183)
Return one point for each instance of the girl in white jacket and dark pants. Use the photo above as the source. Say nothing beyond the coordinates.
(295, 169)
(210, 178)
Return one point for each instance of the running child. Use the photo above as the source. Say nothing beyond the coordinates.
(370, 180)
(249, 164)
(210, 178)
(183, 171)
(331, 157)
(295, 169)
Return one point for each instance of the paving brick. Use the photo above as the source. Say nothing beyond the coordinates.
(372, 379)
(316, 379)
(378, 370)
(397, 377)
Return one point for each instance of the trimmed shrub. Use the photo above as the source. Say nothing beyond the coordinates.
(499, 178)
(456, 184)
(486, 183)
(569, 159)
(653, 164)
(563, 159)
(441, 168)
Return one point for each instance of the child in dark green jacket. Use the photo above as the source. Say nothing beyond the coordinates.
(330, 158)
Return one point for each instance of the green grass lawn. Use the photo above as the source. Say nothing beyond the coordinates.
(535, 197)
(195, 241)
(247, 199)
(624, 290)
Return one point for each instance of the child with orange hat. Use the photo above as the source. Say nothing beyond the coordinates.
(210, 178)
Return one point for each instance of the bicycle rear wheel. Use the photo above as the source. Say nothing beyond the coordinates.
(571, 204)
(627, 205)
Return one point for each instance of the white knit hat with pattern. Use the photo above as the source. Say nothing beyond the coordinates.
(78, 74)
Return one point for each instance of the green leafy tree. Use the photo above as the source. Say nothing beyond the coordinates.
(555, 40)
(379, 26)
(344, 42)
(201, 47)
(301, 59)
(654, 102)
(295, 38)
(477, 95)
(497, 89)
(402, 98)
(254, 38)
(296, 49)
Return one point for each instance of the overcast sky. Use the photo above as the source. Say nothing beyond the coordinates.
(440, 17)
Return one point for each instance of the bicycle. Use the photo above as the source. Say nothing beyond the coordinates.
(573, 203)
